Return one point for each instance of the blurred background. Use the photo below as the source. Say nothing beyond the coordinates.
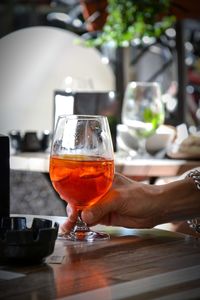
(171, 58)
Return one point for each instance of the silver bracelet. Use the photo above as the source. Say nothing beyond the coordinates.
(195, 223)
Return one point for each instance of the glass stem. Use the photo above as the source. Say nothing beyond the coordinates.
(80, 225)
(142, 146)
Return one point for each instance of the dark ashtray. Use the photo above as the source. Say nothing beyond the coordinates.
(20, 244)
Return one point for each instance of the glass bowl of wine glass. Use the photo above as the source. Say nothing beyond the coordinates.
(142, 111)
(82, 166)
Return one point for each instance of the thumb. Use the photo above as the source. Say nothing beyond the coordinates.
(96, 212)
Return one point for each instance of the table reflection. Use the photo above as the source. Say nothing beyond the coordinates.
(77, 273)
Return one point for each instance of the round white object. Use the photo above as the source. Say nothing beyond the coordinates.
(34, 62)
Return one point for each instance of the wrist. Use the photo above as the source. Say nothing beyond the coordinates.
(195, 176)
(180, 200)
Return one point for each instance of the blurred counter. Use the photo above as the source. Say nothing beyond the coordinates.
(151, 167)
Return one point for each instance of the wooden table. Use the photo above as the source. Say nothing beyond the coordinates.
(133, 264)
(137, 167)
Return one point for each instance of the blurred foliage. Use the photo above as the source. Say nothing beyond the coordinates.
(130, 19)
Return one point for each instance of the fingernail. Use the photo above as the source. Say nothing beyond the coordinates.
(88, 216)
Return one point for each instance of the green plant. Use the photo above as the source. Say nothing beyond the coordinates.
(130, 19)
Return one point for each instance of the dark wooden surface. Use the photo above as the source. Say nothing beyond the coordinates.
(133, 264)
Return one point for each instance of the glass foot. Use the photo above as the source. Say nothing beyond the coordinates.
(82, 236)
(82, 233)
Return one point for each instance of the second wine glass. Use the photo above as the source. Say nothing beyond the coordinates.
(82, 166)
(142, 111)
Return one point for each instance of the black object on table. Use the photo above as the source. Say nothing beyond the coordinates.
(4, 176)
(20, 244)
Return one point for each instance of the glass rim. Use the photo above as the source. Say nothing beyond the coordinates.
(77, 116)
(144, 83)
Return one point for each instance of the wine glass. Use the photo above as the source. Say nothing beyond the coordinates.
(142, 111)
(82, 166)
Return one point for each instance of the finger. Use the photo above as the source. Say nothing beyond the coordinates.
(67, 226)
(102, 208)
(115, 219)
(121, 180)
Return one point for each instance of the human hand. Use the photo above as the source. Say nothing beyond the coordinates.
(119, 181)
(128, 204)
